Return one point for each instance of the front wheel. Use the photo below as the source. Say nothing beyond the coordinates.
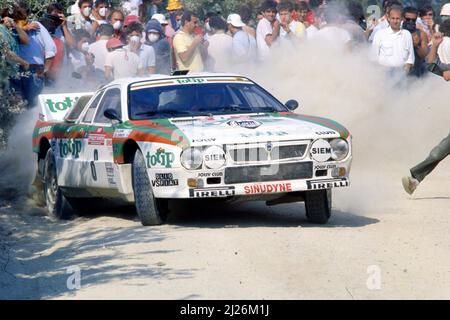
(318, 206)
(151, 211)
(57, 206)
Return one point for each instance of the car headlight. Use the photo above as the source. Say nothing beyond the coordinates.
(339, 149)
(191, 158)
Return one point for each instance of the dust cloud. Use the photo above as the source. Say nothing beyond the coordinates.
(392, 127)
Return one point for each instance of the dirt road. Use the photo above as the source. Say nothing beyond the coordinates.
(379, 245)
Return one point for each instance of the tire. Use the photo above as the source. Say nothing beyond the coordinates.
(57, 205)
(151, 211)
(318, 206)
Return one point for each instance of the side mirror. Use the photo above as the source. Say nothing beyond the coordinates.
(291, 104)
(112, 114)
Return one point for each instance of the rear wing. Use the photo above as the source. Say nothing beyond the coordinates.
(54, 107)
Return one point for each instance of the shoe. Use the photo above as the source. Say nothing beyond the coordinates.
(410, 184)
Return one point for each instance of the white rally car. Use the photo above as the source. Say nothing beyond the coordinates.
(150, 140)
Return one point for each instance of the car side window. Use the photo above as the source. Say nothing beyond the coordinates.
(111, 100)
(93, 106)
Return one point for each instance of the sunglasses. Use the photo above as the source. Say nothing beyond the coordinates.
(409, 20)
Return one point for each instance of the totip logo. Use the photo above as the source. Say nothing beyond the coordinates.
(57, 106)
(248, 124)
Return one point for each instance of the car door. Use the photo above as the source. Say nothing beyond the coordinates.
(99, 148)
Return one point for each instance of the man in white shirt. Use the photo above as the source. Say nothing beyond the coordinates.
(267, 30)
(220, 45)
(98, 49)
(121, 63)
(393, 47)
(243, 44)
(332, 33)
(146, 53)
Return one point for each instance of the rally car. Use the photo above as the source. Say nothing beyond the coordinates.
(149, 140)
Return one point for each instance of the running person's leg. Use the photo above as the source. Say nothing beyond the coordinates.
(420, 171)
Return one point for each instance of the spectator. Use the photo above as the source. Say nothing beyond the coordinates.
(160, 43)
(189, 49)
(146, 53)
(52, 23)
(354, 23)
(149, 8)
(121, 63)
(290, 29)
(420, 41)
(62, 31)
(301, 11)
(208, 31)
(99, 51)
(243, 44)
(440, 51)
(392, 47)
(79, 57)
(268, 29)
(38, 53)
(175, 9)
(220, 45)
(245, 13)
(12, 34)
(426, 20)
(100, 14)
(332, 33)
(116, 19)
(445, 12)
(132, 7)
(382, 23)
(166, 28)
(82, 20)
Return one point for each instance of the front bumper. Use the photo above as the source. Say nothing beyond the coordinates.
(253, 180)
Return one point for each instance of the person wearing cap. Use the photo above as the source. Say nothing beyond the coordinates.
(189, 49)
(445, 12)
(175, 9)
(268, 29)
(243, 46)
(146, 53)
(166, 27)
(163, 52)
(220, 45)
(121, 63)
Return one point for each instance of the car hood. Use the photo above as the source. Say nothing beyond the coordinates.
(231, 129)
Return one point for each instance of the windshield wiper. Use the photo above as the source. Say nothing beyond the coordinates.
(267, 109)
(162, 112)
(173, 112)
(235, 107)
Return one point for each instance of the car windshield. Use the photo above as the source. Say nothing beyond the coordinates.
(200, 99)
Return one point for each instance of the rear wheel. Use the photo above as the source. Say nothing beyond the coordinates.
(151, 211)
(318, 206)
(56, 203)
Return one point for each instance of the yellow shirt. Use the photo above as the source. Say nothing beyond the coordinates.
(181, 42)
